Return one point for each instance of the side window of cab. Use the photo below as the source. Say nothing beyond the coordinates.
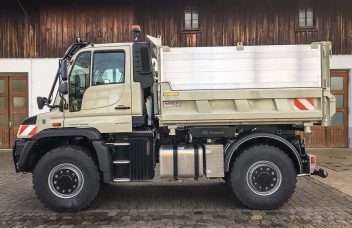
(108, 68)
(79, 81)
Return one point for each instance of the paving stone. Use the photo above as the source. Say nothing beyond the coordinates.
(169, 204)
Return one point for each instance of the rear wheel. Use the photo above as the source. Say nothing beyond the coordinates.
(66, 179)
(263, 177)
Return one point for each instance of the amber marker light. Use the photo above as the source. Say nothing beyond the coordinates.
(56, 124)
(136, 28)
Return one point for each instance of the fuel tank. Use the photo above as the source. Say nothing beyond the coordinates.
(182, 161)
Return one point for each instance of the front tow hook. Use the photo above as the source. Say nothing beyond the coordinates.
(320, 173)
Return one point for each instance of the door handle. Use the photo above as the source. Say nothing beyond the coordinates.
(122, 107)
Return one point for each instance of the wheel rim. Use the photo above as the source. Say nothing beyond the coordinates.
(65, 180)
(264, 178)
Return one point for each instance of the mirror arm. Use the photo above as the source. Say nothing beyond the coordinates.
(63, 98)
(52, 88)
(68, 54)
(55, 106)
(59, 106)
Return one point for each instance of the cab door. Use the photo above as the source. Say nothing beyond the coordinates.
(100, 91)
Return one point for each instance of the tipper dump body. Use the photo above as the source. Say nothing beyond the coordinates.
(279, 84)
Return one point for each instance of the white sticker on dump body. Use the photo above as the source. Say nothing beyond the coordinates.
(172, 103)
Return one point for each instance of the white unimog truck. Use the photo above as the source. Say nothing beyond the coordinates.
(200, 112)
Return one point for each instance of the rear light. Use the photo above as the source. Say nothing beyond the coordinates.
(26, 131)
(312, 162)
(312, 159)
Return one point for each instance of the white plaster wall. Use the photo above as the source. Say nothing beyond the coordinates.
(344, 62)
(41, 73)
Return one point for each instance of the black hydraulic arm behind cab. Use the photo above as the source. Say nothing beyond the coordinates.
(142, 64)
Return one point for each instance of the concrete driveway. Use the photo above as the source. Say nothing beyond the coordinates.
(338, 163)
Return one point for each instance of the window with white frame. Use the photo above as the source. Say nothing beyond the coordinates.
(306, 18)
(191, 19)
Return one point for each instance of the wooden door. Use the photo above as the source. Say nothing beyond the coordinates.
(335, 135)
(13, 106)
(4, 111)
(190, 39)
(317, 138)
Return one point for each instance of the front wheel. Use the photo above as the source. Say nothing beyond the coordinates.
(66, 179)
(263, 177)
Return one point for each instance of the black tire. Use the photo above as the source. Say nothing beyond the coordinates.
(247, 177)
(226, 177)
(78, 163)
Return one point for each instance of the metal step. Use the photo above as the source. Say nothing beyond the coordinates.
(119, 144)
(122, 179)
(121, 162)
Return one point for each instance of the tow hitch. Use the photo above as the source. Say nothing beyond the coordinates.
(320, 173)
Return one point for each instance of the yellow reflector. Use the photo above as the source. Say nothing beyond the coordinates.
(170, 94)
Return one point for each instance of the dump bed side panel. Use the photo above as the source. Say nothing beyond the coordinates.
(247, 106)
(275, 66)
(256, 85)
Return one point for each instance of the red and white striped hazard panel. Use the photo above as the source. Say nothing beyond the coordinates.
(304, 104)
(27, 131)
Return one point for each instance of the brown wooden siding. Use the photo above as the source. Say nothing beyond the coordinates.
(18, 37)
(54, 27)
(253, 22)
(94, 23)
(161, 19)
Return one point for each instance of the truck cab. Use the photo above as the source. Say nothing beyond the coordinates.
(104, 89)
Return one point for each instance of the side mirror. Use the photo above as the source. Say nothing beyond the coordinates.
(63, 88)
(63, 69)
(41, 101)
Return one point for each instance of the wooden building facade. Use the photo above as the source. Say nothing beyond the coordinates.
(36, 29)
(45, 28)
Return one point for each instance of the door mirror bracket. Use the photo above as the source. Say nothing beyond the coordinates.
(63, 88)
